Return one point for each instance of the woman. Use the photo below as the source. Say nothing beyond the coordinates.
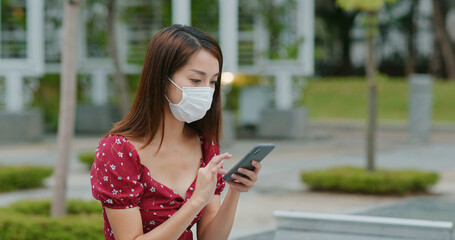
(159, 170)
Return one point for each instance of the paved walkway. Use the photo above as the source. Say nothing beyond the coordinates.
(279, 186)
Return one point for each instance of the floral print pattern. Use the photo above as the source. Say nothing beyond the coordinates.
(120, 181)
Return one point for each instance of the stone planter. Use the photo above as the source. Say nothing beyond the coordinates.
(277, 123)
(21, 126)
(91, 119)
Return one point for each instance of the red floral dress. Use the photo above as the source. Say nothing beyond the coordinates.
(120, 181)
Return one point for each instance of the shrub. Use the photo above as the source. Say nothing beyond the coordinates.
(359, 180)
(30, 220)
(42, 207)
(22, 177)
(87, 158)
(72, 227)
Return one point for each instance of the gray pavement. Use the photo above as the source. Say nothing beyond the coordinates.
(279, 186)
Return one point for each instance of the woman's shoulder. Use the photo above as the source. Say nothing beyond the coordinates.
(118, 147)
(114, 140)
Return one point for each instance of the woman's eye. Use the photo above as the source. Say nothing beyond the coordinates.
(214, 82)
(196, 80)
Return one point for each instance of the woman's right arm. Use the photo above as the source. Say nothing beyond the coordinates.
(127, 223)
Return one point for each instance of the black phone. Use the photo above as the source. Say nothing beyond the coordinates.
(258, 153)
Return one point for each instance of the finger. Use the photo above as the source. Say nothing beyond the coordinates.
(245, 181)
(250, 174)
(217, 159)
(222, 172)
(238, 186)
(218, 167)
(257, 166)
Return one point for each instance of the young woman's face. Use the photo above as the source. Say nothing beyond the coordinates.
(202, 70)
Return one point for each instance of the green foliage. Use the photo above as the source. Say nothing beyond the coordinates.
(358, 180)
(345, 98)
(42, 207)
(204, 15)
(362, 5)
(274, 15)
(232, 99)
(96, 27)
(22, 177)
(25, 227)
(47, 97)
(30, 220)
(87, 158)
(12, 14)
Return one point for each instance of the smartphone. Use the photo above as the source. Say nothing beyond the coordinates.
(258, 153)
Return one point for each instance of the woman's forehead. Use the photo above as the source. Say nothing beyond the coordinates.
(202, 62)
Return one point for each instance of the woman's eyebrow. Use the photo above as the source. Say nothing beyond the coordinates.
(203, 73)
(198, 71)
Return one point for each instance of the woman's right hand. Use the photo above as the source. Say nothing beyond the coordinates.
(207, 179)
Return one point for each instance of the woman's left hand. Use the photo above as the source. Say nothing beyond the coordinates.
(244, 184)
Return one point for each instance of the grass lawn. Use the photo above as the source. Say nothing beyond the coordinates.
(346, 98)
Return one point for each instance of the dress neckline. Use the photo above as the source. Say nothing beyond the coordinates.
(164, 185)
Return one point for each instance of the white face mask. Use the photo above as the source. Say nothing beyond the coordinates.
(195, 103)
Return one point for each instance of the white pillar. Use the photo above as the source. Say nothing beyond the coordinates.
(0, 27)
(99, 87)
(181, 12)
(14, 92)
(283, 90)
(229, 28)
(305, 28)
(35, 35)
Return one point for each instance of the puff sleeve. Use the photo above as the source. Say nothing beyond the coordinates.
(116, 173)
(211, 149)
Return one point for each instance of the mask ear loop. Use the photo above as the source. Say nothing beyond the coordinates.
(175, 86)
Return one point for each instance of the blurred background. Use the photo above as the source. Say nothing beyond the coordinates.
(331, 82)
(321, 53)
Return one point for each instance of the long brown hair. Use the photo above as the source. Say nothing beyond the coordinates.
(168, 51)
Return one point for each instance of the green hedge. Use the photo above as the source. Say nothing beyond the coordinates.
(87, 158)
(29, 220)
(42, 207)
(22, 177)
(358, 180)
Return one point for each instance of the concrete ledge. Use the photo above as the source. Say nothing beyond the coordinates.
(96, 119)
(303, 225)
(290, 123)
(21, 126)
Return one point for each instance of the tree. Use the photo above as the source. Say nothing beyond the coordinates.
(67, 105)
(443, 40)
(410, 36)
(339, 24)
(371, 8)
(119, 77)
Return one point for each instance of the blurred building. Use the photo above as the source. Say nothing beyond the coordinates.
(30, 46)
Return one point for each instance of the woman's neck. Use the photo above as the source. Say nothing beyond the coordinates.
(175, 131)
